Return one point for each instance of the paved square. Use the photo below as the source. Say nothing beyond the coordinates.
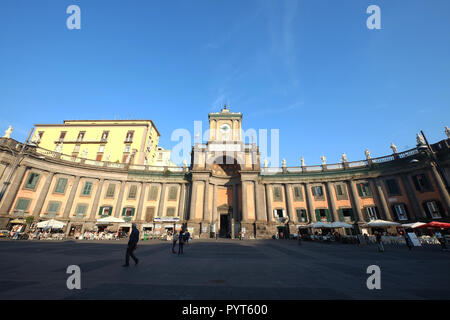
(223, 269)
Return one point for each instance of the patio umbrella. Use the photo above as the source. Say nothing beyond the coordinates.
(413, 225)
(109, 220)
(54, 224)
(381, 224)
(321, 225)
(435, 224)
(338, 224)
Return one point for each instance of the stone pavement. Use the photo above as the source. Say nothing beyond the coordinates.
(223, 269)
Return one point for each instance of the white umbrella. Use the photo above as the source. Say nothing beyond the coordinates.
(54, 224)
(339, 224)
(381, 224)
(413, 225)
(108, 220)
(321, 225)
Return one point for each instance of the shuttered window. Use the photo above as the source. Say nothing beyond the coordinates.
(22, 204)
(81, 209)
(153, 194)
(149, 214)
(393, 187)
(53, 207)
(105, 211)
(32, 180)
(277, 196)
(128, 212)
(61, 185)
(298, 194)
(173, 192)
(110, 191)
(364, 189)
(133, 191)
(170, 212)
(87, 189)
(301, 215)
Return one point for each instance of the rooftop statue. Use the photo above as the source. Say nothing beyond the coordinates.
(265, 163)
(394, 147)
(324, 160)
(344, 157)
(283, 162)
(447, 132)
(302, 161)
(8, 132)
(420, 140)
(367, 153)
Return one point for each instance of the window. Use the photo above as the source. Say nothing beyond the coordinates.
(61, 186)
(153, 194)
(110, 191)
(173, 192)
(132, 192)
(298, 194)
(127, 149)
(81, 135)
(105, 135)
(400, 212)
(101, 149)
(364, 189)
(421, 183)
(317, 192)
(372, 213)
(434, 210)
(129, 137)
(277, 196)
(105, 211)
(128, 212)
(81, 209)
(53, 207)
(32, 181)
(149, 214)
(22, 204)
(323, 215)
(87, 189)
(76, 148)
(170, 212)
(62, 135)
(341, 191)
(301, 215)
(278, 213)
(346, 215)
(393, 188)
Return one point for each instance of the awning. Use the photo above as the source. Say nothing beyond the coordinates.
(436, 224)
(17, 221)
(381, 224)
(54, 224)
(338, 224)
(413, 225)
(109, 220)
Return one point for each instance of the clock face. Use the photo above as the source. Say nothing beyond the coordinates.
(225, 128)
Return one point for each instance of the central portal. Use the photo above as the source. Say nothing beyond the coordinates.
(225, 230)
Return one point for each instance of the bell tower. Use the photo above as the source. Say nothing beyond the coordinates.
(225, 126)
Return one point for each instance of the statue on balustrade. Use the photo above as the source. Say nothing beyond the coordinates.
(8, 132)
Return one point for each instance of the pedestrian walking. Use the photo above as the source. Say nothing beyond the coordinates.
(441, 240)
(132, 245)
(187, 236)
(379, 242)
(174, 241)
(408, 241)
(299, 236)
(181, 240)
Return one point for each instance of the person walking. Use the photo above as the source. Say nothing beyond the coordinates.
(181, 240)
(132, 245)
(299, 236)
(187, 236)
(441, 240)
(174, 241)
(379, 242)
(408, 241)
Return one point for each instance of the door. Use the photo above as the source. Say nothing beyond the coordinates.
(224, 226)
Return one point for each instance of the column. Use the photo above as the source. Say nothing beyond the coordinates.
(206, 215)
(235, 203)
(214, 206)
(181, 202)
(416, 211)
(42, 195)
(244, 201)
(376, 183)
(140, 206)
(441, 188)
(288, 196)
(98, 193)
(355, 200)
(12, 189)
(119, 199)
(331, 196)
(260, 203)
(269, 203)
(193, 200)
(162, 198)
(310, 203)
(73, 192)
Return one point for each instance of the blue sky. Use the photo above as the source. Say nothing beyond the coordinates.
(309, 68)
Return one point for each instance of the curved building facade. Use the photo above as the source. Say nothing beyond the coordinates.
(225, 190)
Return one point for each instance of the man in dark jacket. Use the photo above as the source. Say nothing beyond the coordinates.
(132, 244)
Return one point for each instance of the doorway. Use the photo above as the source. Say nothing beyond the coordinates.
(224, 231)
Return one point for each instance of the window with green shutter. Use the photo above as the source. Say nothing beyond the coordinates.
(87, 188)
(298, 194)
(364, 189)
(133, 191)
(61, 186)
(22, 204)
(328, 214)
(301, 215)
(173, 192)
(346, 215)
(317, 192)
(341, 191)
(128, 212)
(393, 187)
(32, 180)
(105, 211)
(81, 209)
(318, 217)
(341, 215)
(153, 194)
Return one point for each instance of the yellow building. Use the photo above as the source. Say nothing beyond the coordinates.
(124, 141)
